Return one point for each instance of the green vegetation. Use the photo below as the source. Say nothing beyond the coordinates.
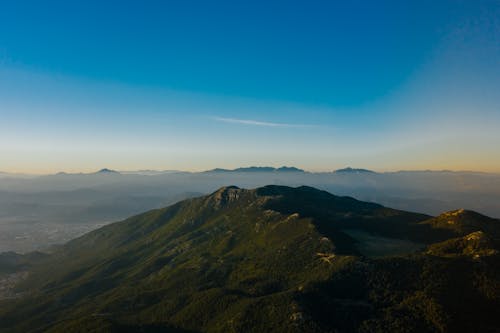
(274, 259)
(375, 246)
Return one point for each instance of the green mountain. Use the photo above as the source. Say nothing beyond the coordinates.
(272, 259)
(462, 222)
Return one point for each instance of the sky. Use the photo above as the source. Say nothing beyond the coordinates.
(194, 85)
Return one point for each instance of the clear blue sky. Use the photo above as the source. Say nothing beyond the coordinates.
(199, 84)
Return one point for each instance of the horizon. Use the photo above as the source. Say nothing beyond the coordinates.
(389, 86)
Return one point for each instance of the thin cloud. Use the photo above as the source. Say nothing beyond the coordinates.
(257, 122)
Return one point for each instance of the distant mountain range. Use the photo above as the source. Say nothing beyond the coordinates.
(272, 259)
(221, 170)
(259, 169)
(255, 169)
(104, 171)
(262, 169)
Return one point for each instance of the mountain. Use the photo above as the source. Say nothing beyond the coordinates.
(352, 170)
(289, 169)
(259, 169)
(272, 259)
(107, 171)
(462, 222)
(104, 171)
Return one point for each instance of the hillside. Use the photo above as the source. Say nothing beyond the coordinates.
(272, 259)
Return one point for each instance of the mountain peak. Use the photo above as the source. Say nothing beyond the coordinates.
(462, 221)
(462, 215)
(227, 189)
(107, 171)
(226, 195)
(288, 169)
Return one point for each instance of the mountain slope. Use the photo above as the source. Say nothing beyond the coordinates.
(273, 259)
(462, 222)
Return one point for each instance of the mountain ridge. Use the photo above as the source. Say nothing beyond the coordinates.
(257, 169)
(354, 170)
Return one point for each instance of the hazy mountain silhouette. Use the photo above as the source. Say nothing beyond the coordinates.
(352, 170)
(259, 169)
(107, 171)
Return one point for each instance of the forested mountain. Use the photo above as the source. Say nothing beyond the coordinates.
(272, 259)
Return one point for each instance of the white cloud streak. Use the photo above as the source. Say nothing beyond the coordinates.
(258, 123)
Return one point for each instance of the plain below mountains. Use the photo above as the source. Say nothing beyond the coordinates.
(272, 259)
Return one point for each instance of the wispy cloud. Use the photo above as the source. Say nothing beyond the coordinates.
(257, 122)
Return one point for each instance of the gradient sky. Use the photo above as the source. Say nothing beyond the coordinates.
(193, 85)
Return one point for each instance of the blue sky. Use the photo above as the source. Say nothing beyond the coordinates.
(195, 84)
